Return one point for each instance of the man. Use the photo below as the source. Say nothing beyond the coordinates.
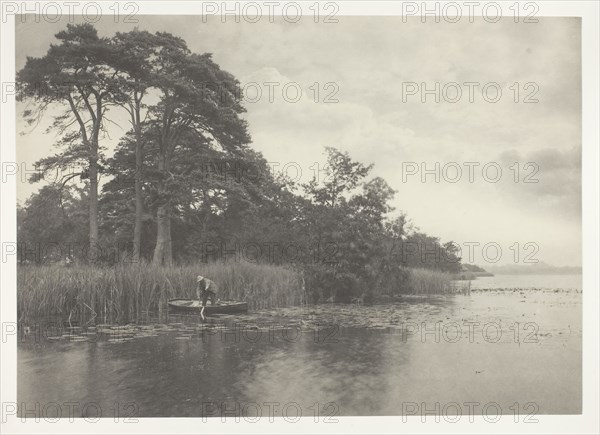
(206, 290)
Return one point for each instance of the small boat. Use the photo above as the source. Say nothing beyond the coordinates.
(194, 305)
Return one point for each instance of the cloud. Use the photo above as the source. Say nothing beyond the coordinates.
(548, 178)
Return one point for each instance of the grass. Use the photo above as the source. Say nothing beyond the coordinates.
(124, 293)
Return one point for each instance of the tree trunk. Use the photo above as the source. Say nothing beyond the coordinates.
(93, 172)
(93, 205)
(163, 255)
(139, 203)
(139, 162)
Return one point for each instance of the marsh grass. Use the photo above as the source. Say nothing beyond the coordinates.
(125, 292)
(426, 282)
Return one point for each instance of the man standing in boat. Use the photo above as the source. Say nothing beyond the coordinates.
(206, 289)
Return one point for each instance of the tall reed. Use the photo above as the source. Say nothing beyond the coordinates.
(124, 292)
(427, 281)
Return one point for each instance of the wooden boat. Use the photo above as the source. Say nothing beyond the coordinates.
(194, 306)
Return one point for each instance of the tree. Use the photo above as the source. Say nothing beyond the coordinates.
(73, 75)
(344, 219)
(342, 175)
(119, 216)
(51, 223)
(420, 250)
(198, 103)
(135, 51)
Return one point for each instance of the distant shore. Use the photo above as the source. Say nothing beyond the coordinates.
(523, 270)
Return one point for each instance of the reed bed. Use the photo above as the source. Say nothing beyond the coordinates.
(127, 293)
(429, 282)
(124, 293)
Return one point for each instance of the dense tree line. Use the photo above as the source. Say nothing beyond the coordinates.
(184, 183)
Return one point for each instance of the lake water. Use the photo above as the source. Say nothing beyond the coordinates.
(528, 282)
(509, 350)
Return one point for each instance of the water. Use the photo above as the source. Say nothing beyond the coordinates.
(528, 281)
(519, 349)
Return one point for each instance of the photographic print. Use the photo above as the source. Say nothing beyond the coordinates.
(294, 213)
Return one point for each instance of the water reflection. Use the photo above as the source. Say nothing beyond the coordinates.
(340, 360)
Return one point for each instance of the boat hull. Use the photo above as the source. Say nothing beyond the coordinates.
(194, 306)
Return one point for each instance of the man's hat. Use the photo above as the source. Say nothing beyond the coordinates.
(199, 278)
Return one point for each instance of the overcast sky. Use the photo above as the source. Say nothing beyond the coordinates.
(371, 60)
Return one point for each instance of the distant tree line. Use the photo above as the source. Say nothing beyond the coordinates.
(184, 184)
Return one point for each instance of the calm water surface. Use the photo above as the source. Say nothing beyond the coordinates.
(500, 346)
(528, 281)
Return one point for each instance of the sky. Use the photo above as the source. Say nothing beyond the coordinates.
(369, 73)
